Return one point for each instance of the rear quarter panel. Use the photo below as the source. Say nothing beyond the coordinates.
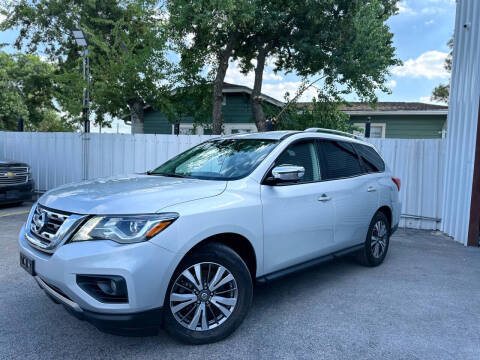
(388, 196)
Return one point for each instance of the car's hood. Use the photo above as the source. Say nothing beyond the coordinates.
(135, 194)
(4, 162)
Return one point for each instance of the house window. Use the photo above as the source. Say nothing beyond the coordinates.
(377, 130)
(224, 100)
(184, 129)
(241, 131)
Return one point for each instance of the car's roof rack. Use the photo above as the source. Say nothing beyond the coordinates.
(335, 132)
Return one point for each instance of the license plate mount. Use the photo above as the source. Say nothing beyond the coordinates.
(27, 264)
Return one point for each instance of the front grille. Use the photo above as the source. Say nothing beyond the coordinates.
(11, 175)
(49, 229)
(46, 223)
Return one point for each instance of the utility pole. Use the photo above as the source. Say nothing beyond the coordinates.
(81, 40)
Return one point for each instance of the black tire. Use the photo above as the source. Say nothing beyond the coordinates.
(367, 255)
(222, 255)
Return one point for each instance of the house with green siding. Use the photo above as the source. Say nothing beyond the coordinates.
(401, 120)
(389, 119)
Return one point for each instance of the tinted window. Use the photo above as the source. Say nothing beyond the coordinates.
(372, 161)
(302, 154)
(339, 160)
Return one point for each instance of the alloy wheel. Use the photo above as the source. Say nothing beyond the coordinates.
(378, 243)
(203, 296)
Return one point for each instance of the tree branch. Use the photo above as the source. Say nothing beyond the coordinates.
(299, 93)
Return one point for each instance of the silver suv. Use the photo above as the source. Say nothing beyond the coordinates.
(183, 244)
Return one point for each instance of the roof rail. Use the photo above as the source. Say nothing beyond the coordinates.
(335, 132)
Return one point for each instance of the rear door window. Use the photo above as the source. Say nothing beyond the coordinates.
(338, 160)
(370, 158)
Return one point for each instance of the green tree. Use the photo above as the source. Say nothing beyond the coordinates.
(28, 89)
(54, 122)
(126, 51)
(442, 91)
(346, 44)
(322, 112)
(207, 33)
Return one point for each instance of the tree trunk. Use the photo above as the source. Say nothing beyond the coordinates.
(136, 115)
(217, 100)
(257, 108)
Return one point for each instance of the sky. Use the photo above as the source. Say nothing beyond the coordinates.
(421, 31)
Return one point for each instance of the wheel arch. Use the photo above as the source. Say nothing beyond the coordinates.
(238, 243)
(387, 211)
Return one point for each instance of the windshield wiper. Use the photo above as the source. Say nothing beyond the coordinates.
(168, 175)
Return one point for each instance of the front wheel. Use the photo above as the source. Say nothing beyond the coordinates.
(376, 244)
(209, 295)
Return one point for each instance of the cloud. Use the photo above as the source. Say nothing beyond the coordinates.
(448, 2)
(272, 76)
(428, 100)
(391, 84)
(432, 10)
(429, 65)
(275, 86)
(438, 7)
(234, 75)
(278, 91)
(429, 22)
(403, 8)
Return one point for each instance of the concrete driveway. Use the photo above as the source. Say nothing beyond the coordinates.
(422, 303)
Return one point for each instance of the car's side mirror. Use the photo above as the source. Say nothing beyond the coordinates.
(287, 173)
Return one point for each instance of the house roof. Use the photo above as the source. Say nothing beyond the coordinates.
(390, 108)
(233, 88)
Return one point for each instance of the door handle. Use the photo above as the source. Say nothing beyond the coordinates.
(371, 188)
(324, 197)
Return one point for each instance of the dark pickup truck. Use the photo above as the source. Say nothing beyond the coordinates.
(16, 183)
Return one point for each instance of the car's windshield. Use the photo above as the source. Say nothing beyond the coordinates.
(223, 159)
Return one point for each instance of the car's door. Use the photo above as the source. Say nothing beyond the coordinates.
(298, 217)
(354, 194)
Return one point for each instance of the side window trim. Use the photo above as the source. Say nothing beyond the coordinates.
(323, 165)
(274, 163)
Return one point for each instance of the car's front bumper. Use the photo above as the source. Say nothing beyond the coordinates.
(146, 268)
(145, 322)
(17, 192)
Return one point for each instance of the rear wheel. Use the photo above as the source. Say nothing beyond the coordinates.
(208, 296)
(378, 239)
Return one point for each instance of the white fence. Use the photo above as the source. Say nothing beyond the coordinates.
(419, 165)
(58, 158)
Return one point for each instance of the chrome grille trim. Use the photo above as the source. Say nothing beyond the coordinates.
(11, 175)
(47, 229)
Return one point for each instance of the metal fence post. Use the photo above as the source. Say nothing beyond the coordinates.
(2, 145)
(85, 153)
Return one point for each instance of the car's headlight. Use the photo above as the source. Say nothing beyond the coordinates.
(124, 229)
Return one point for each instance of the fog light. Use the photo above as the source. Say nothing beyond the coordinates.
(104, 288)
